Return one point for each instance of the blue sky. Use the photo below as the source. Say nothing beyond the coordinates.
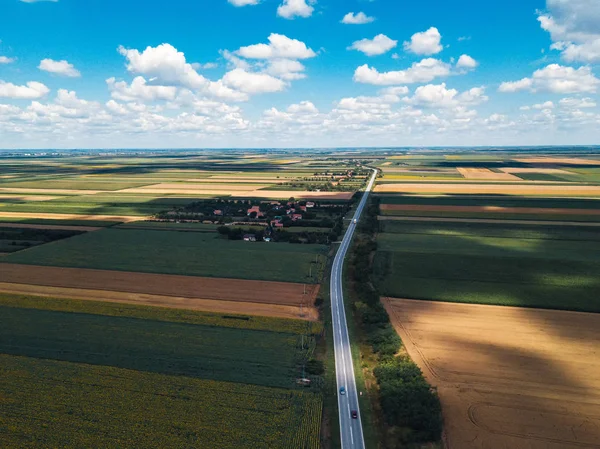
(277, 73)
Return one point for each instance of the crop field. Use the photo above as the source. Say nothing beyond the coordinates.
(169, 290)
(533, 266)
(118, 376)
(183, 253)
(507, 377)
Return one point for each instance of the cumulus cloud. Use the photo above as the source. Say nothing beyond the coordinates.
(139, 90)
(425, 43)
(556, 78)
(420, 72)
(252, 83)
(63, 68)
(6, 60)
(279, 46)
(515, 86)
(439, 96)
(165, 63)
(291, 9)
(357, 19)
(29, 91)
(574, 26)
(466, 62)
(577, 103)
(379, 45)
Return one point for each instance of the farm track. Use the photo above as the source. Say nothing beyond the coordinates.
(507, 377)
(261, 292)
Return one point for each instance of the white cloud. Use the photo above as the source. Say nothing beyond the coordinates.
(286, 69)
(466, 62)
(515, 86)
(165, 63)
(560, 79)
(279, 46)
(6, 60)
(252, 83)
(438, 96)
(290, 9)
(139, 90)
(574, 26)
(205, 66)
(243, 2)
(577, 103)
(425, 43)
(379, 45)
(420, 72)
(63, 68)
(557, 79)
(357, 19)
(545, 105)
(30, 91)
(165, 66)
(304, 107)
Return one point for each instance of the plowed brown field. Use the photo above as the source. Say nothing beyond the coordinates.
(493, 209)
(173, 302)
(508, 378)
(283, 293)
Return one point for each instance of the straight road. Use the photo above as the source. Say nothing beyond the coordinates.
(351, 432)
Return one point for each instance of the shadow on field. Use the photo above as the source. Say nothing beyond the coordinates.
(455, 264)
(514, 370)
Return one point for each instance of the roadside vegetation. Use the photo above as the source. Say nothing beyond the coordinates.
(408, 409)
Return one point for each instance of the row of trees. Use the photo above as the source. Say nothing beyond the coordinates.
(410, 407)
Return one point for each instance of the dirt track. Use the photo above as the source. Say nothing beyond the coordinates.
(491, 209)
(508, 378)
(497, 189)
(283, 293)
(205, 305)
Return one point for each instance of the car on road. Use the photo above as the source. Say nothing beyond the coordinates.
(355, 221)
(354, 414)
(342, 390)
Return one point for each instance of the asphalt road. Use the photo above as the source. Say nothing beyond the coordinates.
(351, 432)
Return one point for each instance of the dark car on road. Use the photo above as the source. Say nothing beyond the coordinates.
(354, 414)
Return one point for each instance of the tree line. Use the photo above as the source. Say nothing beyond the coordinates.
(411, 408)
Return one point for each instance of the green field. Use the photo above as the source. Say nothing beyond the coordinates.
(100, 204)
(107, 375)
(172, 252)
(549, 267)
